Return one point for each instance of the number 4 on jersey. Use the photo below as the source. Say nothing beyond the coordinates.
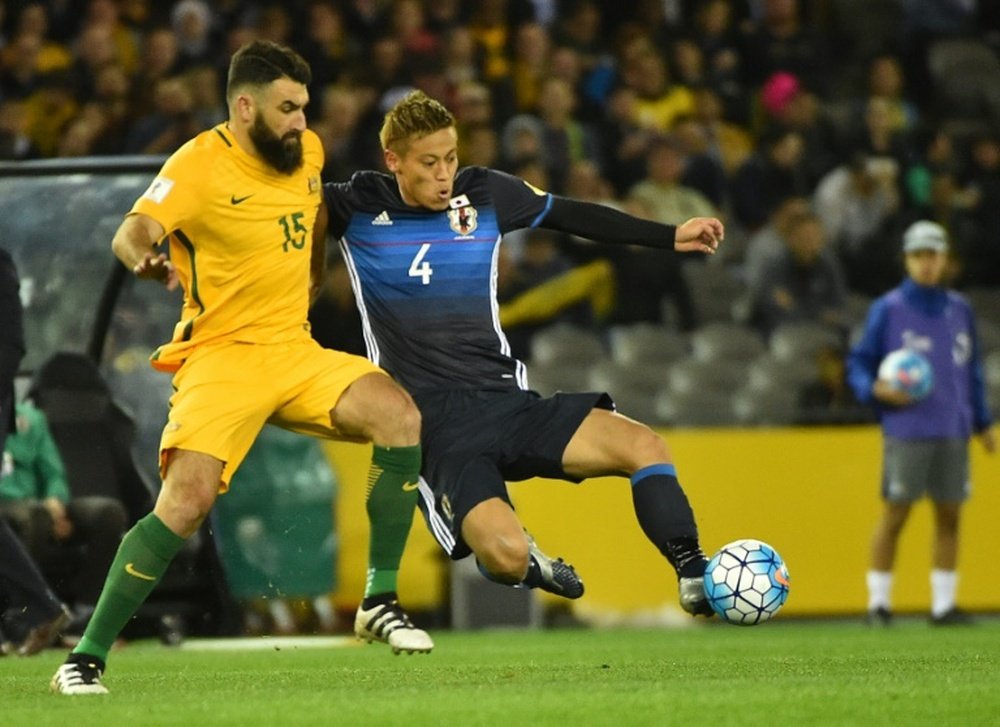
(420, 268)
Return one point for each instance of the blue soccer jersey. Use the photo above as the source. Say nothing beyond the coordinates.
(426, 281)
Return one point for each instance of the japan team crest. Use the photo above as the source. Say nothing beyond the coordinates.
(463, 220)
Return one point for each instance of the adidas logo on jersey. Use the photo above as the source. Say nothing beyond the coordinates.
(382, 219)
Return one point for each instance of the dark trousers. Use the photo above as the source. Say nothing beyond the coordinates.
(23, 589)
(76, 567)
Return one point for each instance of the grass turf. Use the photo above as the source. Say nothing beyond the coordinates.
(786, 672)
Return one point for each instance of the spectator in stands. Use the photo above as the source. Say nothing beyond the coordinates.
(171, 124)
(530, 66)
(886, 81)
(328, 46)
(337, 125)
(20, 75)
(729, 142)
(716, 35)
(878, 137)
(774, 172)
(934, 151)
(770, 241)
(624, 142)
(160, 61)
(192, 24)
(659, 101)
(926, 442)
(703, 170)
(15, 142)
(787, 103)
(660, 195)
(783, 41)
(857, 203)
(73, 539)
(982, 262)
(565, 139)
(803, 285)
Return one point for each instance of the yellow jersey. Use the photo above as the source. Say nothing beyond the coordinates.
(240, 236)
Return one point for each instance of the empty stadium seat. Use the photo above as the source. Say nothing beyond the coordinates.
(766, 407)
(792, 341)
(564, 343)
(549, 378)
(694, 408)
(646, 343)
(726, 341)
(721, 376)
(632, 386)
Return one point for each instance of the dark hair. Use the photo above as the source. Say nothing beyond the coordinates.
(261, 61)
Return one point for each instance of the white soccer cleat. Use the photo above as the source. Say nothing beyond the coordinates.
(388, 623)
(78, 676)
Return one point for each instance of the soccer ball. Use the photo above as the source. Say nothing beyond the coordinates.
(746, 582)
(908, 371)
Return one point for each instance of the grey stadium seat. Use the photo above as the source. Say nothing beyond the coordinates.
(646, 343)
(726, 341)
(792, 341)
(563, 343)
(694, 408)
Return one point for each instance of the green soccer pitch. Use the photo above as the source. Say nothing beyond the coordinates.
(787, 672)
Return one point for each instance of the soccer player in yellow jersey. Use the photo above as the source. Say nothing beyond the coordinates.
(240, 206)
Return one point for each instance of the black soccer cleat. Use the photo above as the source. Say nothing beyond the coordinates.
(952, 617)
(880, 617)
(555, 575)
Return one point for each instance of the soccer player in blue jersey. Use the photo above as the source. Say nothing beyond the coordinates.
(421, 245)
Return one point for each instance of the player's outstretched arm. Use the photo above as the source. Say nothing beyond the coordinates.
(134, 244)
(604, 224)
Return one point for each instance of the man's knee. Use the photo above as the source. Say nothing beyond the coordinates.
(399, 421)
(506, 559)
(646, 448)
(184, 503)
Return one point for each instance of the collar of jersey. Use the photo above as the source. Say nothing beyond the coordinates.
(242, 153)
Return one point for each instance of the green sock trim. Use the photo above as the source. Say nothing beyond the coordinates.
(392, 499)
(142, 559)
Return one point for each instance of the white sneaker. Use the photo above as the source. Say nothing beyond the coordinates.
(388, 623)
(79, 675)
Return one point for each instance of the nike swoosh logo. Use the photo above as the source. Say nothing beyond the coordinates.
(233, 199)
(130, 569)
(410, 486)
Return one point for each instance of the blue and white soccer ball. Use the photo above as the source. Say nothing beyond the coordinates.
(746, 582)
(909, 371)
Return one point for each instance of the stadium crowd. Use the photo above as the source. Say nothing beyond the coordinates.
(817, 130)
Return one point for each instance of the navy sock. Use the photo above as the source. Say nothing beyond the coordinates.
(666, 518)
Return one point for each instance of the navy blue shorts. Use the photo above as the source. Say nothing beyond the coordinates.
(475, 441)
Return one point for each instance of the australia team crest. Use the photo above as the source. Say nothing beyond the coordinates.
(463, 220)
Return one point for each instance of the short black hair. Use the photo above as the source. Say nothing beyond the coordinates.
(262, 61)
